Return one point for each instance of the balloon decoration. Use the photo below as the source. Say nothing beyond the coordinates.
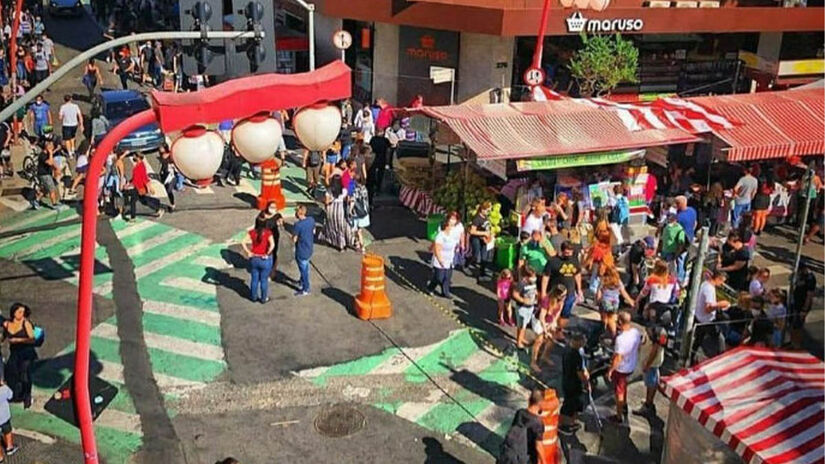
(198, 152)
(257, 138)
(317, 126)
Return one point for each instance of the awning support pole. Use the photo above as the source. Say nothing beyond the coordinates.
(809, 175)
(695, 282)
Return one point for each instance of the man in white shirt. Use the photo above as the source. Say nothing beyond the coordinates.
(705, 311)
(625, 356)
(71, 120)
(744, 192)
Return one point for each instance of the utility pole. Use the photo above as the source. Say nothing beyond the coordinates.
(695, 283)
(806, 185)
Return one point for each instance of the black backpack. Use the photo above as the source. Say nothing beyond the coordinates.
(514, 449)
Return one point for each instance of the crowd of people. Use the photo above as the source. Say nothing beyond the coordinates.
(568, 255)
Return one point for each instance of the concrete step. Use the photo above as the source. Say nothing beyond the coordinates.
(12, 186)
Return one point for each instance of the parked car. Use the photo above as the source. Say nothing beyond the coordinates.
(118, 105)
(65, 7)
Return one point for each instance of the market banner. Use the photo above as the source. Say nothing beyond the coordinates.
(583, 159)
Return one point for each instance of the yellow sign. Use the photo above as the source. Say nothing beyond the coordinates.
(801, 67)
(754, 61)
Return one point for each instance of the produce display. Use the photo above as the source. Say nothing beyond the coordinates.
(448, 196)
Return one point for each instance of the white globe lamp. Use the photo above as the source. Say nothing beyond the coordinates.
(317, 126)
(198, 152)
(257, 138)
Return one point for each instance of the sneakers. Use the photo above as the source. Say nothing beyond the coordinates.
(12, 450)
(301, 293)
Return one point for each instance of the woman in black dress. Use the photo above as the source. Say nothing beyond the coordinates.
(272, 220)
(19, 331)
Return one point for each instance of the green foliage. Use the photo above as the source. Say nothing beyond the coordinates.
(603, 63)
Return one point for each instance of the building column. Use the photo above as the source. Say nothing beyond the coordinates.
(485, 64)
(770, 44)
(385, 62)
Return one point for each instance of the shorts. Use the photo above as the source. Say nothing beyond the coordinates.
(5, 427)
(652, 377)
(537, 327)
(524, 316)
(332, 160)
(608, 306)
(620, 384)
(82, 169)
(569, 302)
(47, 182)
(573, 403)
(69, 132)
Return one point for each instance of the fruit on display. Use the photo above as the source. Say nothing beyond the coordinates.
(495, 219)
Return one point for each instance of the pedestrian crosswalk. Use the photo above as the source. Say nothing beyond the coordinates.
(489, 389)
(181, 319)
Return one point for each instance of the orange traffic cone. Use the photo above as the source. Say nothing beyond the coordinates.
(550, 417)
(372, 302)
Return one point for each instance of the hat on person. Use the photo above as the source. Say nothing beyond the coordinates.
(672, 216)
(650, 242)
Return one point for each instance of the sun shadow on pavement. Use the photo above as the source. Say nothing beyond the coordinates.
(436, 454)
(49, 372)
(341, 297)
(216, 277)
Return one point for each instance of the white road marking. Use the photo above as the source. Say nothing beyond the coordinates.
(148, 268)
(415, 410)
(50, 242)
(16, 204)
(144, 246)
(187, 283)
(110, 418)
(166, 343)
(188, 313)
(398, 363)
(36, 436)
(477, 362)
(113, 372)
(34, 216)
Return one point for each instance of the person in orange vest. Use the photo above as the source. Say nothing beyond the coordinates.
(271, 185)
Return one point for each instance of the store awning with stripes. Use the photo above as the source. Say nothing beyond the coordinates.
(533, 129)
(773, 124)
(766, 405)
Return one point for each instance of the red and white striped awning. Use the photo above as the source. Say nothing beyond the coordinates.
(767, 405)
(662, 113)
(773, 124)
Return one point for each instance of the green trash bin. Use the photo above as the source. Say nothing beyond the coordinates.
(434, 225)
(506, 252)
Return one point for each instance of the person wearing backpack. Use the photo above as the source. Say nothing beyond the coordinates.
(312, 165)
(522, 444)
(359, 212)
(619, 213)
(20, 333)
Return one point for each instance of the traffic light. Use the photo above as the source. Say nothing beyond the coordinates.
(253, 55)
(202, 56)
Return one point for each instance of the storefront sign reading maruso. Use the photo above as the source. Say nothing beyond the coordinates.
(577, 23)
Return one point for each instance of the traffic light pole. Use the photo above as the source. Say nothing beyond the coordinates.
(310, 30)
(83, 58)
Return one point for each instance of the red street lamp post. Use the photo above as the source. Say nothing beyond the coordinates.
(236, 99)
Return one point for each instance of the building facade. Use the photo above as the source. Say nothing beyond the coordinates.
(689, 47)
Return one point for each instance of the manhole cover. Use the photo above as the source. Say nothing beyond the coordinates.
(339, 421)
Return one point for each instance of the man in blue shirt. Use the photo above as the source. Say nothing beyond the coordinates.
(686, 217)
(41, 115)
(303, 235)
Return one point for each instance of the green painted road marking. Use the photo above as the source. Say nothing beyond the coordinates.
(144, 235)
(170, 364)
(116, 446)
(181, 328)
(447, 417)
(360, 366)
(32, 240)
(449, 354)
(501, 372)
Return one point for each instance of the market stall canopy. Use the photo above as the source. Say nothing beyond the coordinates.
(766, 405)
(773, 124)
(530, 129)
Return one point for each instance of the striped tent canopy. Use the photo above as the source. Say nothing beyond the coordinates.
(767, 405)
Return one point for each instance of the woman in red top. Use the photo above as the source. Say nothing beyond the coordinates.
(258, 245)
(139, 188)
